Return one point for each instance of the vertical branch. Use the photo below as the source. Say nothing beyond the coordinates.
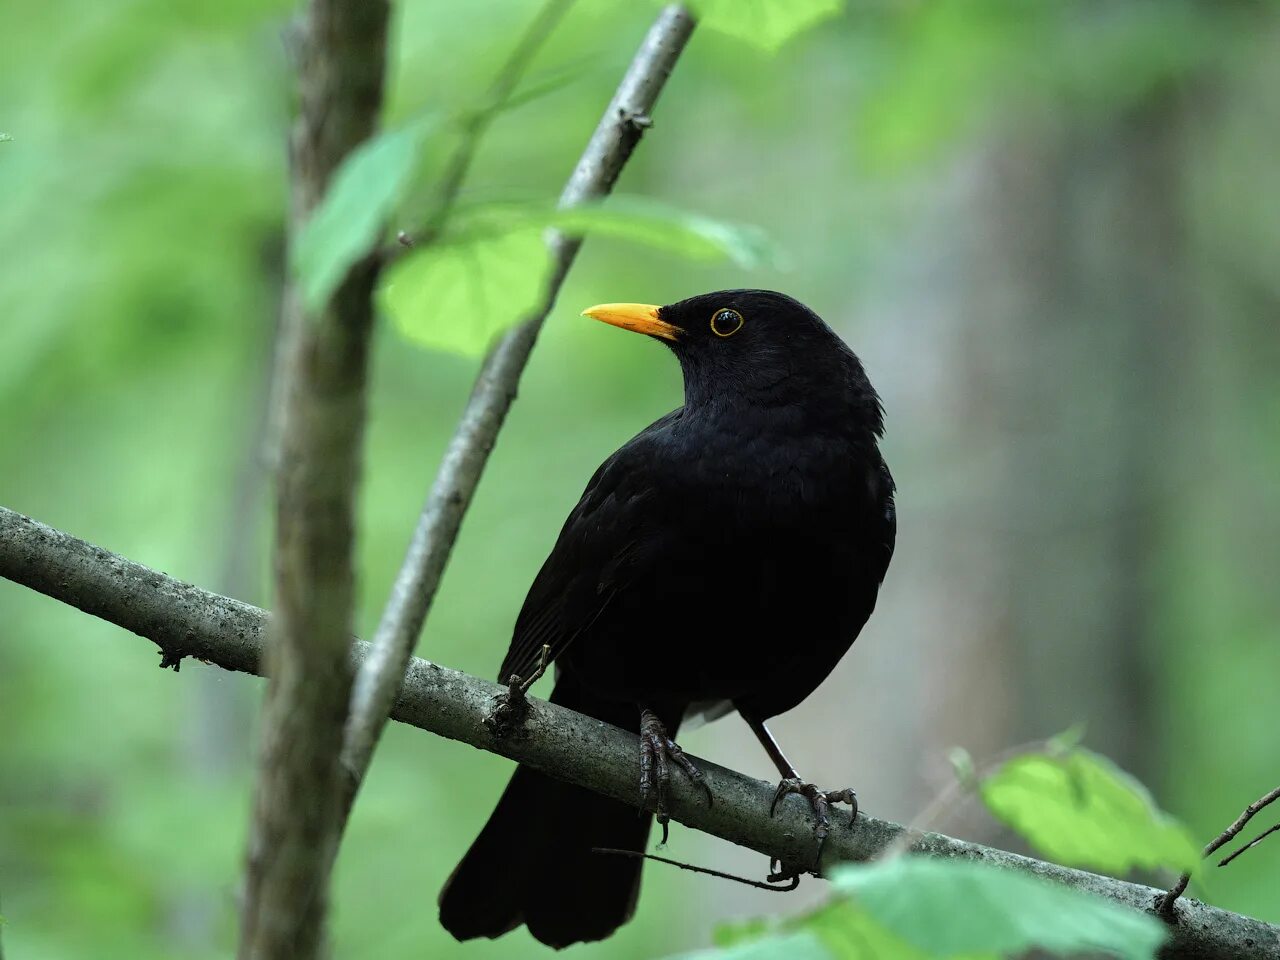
(342, 52)
(625, 120)
(497, 97)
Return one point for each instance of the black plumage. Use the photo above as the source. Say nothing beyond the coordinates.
(724, 558)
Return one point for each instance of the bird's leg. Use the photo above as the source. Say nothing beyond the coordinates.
(819, 800)
(657, 752)
(510, 708)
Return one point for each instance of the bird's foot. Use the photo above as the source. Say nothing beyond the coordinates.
(820, 801)
(657, 753)
(511, 708)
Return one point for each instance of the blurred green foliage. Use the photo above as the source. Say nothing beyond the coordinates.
(1077, 808)
(917, 908)
(354, 211)
(1074, 806)
(767, 24)
(142, 203)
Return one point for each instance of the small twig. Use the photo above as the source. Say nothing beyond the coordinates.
(544, 659)
(792, 881)
(1242, 821)
(1249, 846)
(511, 706)
(1165, 905)
(478, 122)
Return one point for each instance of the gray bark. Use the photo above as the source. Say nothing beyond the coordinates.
(185, 621)
(297, 803)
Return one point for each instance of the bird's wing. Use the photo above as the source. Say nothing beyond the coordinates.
(887, 526)
(609, 538)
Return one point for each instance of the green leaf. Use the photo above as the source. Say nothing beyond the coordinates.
(458, 296)
(1079, 809)
(792, 946)
(637, 219)
(663, 227)
(727, 934)
(918, 908)
(950, 908)
(5, 138)
(767, 24)
(850, 933)
(350, 218)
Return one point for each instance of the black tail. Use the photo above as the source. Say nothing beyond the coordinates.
(532, 862)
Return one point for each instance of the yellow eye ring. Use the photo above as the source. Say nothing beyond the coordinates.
(725, 322)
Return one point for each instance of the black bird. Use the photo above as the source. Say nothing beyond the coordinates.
(725, 558)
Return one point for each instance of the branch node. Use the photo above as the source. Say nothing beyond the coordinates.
(511, 708)
(636, 121)
(1165, 905)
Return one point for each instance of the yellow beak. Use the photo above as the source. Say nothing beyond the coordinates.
(640, 317)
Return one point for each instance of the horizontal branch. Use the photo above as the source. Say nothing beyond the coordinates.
(185, 621)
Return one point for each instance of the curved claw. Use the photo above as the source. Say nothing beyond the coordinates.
(790, 785)
(820, 802)
(657, 752)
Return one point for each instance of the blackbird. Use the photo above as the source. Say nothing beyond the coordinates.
(723, 559)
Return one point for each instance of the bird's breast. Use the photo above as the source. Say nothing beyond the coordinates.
(755, 547)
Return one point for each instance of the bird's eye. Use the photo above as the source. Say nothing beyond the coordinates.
(725, 323)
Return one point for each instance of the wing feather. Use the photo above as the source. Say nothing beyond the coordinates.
(603, 546)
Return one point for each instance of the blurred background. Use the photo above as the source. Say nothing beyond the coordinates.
(1050, 230)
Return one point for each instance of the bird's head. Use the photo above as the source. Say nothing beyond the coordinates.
(757, 346)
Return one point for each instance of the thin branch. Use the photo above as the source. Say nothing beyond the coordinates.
(1250, 845)
(187, 621)
(416, 583)
(297, 799)
(1241, 821)
(792, 881)
(1226, 836)
(478, 122)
